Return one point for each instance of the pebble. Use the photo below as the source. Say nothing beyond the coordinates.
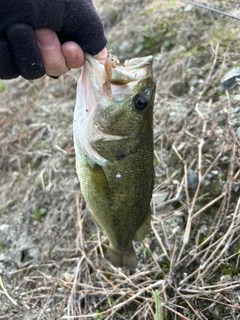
(2, 257)
(159, 198)
(179, 214)
(192, 179)
(238, 133)
(4, 228)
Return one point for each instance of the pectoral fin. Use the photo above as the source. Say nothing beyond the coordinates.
(95, 189)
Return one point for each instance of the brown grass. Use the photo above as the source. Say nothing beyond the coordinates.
(52, 265)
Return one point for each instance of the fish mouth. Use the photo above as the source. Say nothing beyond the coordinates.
(132, 70)
(99, 86)
(121, 80)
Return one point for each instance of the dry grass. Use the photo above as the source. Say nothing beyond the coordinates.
(51, 263)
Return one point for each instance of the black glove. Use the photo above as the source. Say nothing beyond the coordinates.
(75, 20)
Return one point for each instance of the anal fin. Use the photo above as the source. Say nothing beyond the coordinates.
(142, 231)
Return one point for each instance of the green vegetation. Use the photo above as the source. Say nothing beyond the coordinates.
(157, 300)
(100, 316)
(2, 86)
(38, 213)
(154, 37)
(4, 209)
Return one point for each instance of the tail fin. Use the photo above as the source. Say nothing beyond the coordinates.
(122, 259)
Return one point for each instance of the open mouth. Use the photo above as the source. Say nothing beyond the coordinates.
(121, 80)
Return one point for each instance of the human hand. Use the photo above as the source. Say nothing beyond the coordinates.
(58, 59)
(22, 52)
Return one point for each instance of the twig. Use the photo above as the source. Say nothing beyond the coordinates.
(6, 293)
(211, 9)
(122, 304)
(190, 210)
(44, 307)
(209, 205)
(160, 241)
(72, 296)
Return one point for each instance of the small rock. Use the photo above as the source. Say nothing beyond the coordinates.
(193, 81)
(236, 187)
(192, 178)
(209, 176)
(159, 198)
(222, 119)
(176, 230)
(225, 159)
(226, 278)
(230, 79)
(238, 133)
(68, 277)
(4, 228)
(179, 214)
(2, 257)
(178, 89)
(237, 109)
(236, 97)
(188, 7)
(203, 229)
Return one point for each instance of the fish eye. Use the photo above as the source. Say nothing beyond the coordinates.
(140, 102)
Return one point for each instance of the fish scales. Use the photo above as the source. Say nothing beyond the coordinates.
(113, 138)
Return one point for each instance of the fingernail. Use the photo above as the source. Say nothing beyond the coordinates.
(45, 38)
(73, 57)
(102, 55)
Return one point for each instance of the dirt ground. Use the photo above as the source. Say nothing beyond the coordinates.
(51, 253)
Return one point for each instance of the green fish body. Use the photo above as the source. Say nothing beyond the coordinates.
(113, 139)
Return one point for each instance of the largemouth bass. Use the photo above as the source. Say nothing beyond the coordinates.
(113, 139)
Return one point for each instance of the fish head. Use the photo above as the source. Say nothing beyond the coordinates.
(114, 109)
